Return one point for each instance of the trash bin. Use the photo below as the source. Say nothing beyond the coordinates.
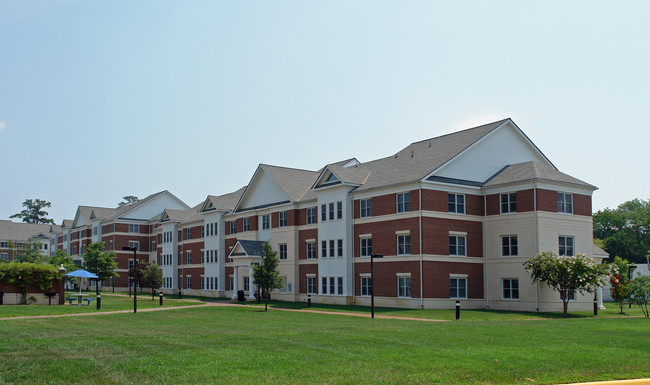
(240, 296)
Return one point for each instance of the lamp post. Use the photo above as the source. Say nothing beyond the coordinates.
(135, 278)
(372, 284)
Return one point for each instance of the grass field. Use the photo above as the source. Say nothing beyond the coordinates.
(245, 345)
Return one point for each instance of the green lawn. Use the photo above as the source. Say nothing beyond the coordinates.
(110, 302)
(246, 345)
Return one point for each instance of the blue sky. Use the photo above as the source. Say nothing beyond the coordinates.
(104, 99)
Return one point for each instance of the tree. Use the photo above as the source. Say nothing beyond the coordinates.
(625, 230)
(101, 263)
(24, 276)
(128, 200)
(619, 283)
(62, 258)
(640, 292)
(33, 212)
(152, 276)
(266, 275)
(30, 252)
(567, 275)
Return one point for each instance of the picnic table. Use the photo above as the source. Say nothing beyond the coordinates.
(79, 297)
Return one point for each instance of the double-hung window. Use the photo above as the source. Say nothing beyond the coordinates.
(366, 247)
(311, 215)
(509, 246)
(566, 246)
(323, 289)
(339, 210)
(189, 257)
(134, 245)
(323, 249)
(456, 203)
(510, 288)
(366, 208)
(404, 287)
(457, 245)
(404, 244)
(283, 219)
(564, 203)
(332, 252)
(283, 251)
(339, 248)
(366, 287)
(323, 212)
(311, 285)
(247, 224)
(188, 233)
(233, 227)
(331, 207)
(458, 288)
(134, 228)
(508, 203)
(339, 286)
(403, 202)
(311, 250)
(266, 222)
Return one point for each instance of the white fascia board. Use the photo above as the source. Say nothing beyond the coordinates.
(450, 187)
(384, 190)
(249, 187)
(564, 187)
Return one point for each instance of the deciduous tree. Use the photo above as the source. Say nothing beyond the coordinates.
(100, 262)
(640, 292)
(567, 275)
(266, 274)
(625, 231)
(619, 282)
(33, 212)
(128, 200)
(152, 277)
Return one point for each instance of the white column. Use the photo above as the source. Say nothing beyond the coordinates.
(251, 292)
(600, 298)
(236, 283)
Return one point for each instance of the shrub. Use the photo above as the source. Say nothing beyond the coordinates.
(23, 276)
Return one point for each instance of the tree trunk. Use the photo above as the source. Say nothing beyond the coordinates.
(565, 304)
(266, 304)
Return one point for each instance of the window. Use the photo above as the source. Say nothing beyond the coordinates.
(339, 210)
(188, 233)
(366, 287)
(189, 257)
(203, 231)
(4, 244)
(247, 223)
(404, 287)
(134, 228)
(95, 230)
(509, 246)
(323, 250)
(403, 202)
(311, 250)
(331, 211)
(458, 288)
(366, 247)
(339, 248)
(323, 285)
(457, 245)
(332, 248)
(202, 283)
(332, 285)
(456, 203)
(510, 288)
(134, 245)
(213, 229)
(233, 227)
(202, 256)
(508, 203)
(339, 285)
(283, 219)
(247, 284)
(403, 244)
(564, 203)
(266, 222)
(311, 285)
(566, 246)
(4, 256)
(323, 212)
(283, 251)
(231, 282)
(153, 245)
(311, 215)
(366, 208)
(189, 282)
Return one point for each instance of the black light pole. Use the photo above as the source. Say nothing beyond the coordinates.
(135, 278)
(372, 284)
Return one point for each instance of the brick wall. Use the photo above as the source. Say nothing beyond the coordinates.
(302, 245)
(435, 236)
(303, 270)
(384, 239)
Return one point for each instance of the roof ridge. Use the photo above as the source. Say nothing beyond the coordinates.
(461, 131)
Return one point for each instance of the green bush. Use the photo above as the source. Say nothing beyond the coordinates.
(22, 276)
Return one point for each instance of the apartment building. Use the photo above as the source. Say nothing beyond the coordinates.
(14, 235)
(454, 217)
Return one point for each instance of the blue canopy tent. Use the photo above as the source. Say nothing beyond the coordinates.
(81, 273)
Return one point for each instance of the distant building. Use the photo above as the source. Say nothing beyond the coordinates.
(454, 217)
(13, 235)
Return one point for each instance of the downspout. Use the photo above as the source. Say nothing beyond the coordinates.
(536, 242)
(485, 253)
(354, 277)
(420, 237)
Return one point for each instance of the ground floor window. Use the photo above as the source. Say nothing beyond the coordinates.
(247, 284)
(332, 285)
(366, 287)
(510, 288)
(311, 285)
(231, 282)
(189, 282)
(404, 287)
(458, 288)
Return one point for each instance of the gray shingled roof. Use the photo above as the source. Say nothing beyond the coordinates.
(185, 216)
(598, 251)
(296, 183)
(418, 159)
(20, 231)
(226, 202)
(532, 171)
(252, 247)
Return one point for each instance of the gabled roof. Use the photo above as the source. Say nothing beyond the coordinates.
(85, 213)
(181, 216)
(122, 211)
(344, 172)
(225, 202)
(418, 159)
(250, 248)
(597, 251)
(23, 232)
(67, 223)
(532, 171)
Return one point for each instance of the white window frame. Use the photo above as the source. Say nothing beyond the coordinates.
(246, 224)
(339, 210)
(233, 227)
(266, 221)
(365, 208)
(404, 290)
(454, 206)
(135, 244)
(312, 284)
(507, 244)
(458, 288)
(403, 244)
(365, 285)
(311, 215)
(282, 251)
(562, 205)
(282, 219)
(134, 228)
(365, 246)
(506, 203)
(403, 202)
(566, 247)
(512, 292)
(311, 250)
(456, 252)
